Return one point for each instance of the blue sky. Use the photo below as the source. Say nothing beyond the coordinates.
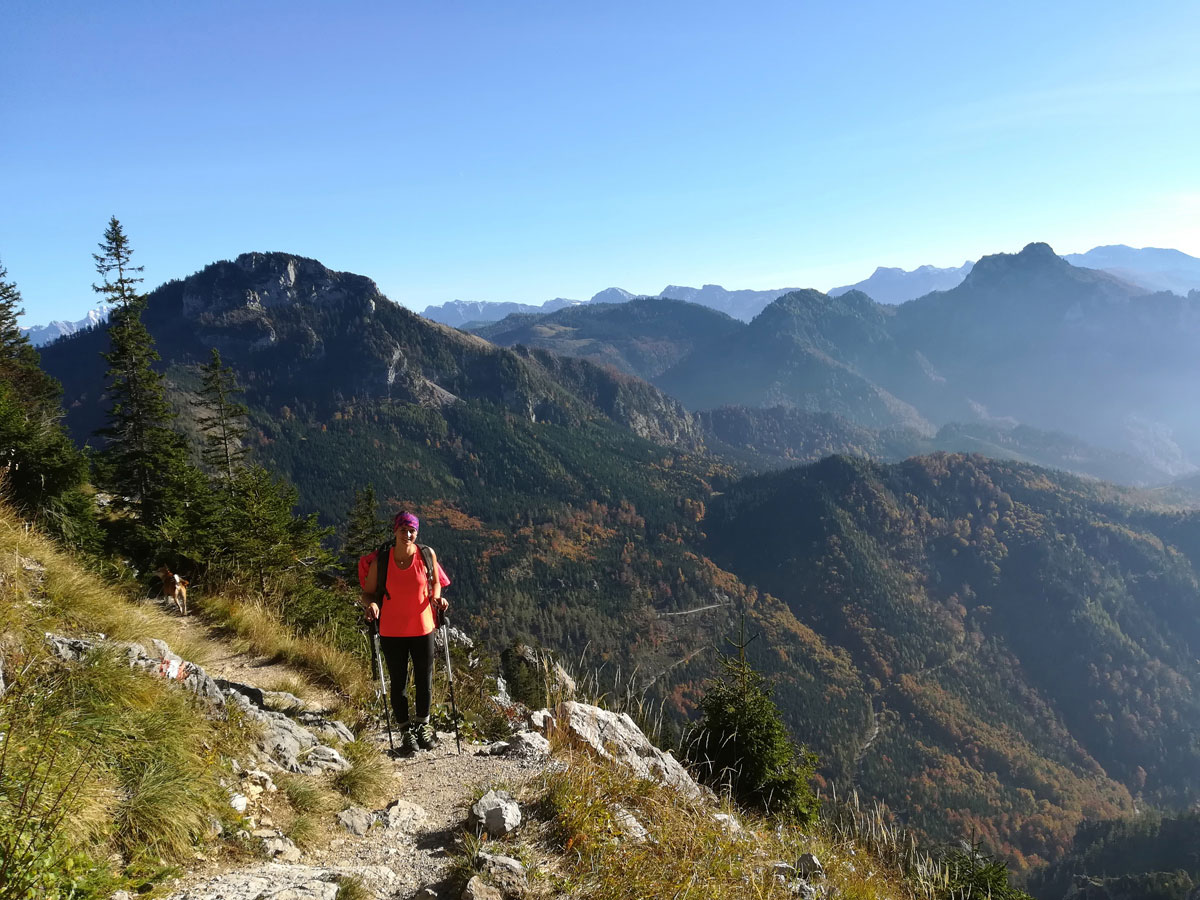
(522, 151)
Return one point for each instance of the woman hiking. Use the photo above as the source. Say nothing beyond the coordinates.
(405, 609)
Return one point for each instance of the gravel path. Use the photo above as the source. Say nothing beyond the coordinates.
(395, 863)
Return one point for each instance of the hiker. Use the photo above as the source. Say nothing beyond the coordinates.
(405, 609)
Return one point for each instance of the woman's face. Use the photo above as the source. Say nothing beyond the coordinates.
(405, 534)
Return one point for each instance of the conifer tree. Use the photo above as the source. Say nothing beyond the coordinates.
(365, 531)
(264, 536)
(145, 460)
(20, 366)
(41, 470)
(223, 421)
(741, 744)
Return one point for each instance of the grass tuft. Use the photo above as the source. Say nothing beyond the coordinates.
(351, 887)
(368, 778)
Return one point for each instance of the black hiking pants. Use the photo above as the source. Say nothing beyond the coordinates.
(396, 653)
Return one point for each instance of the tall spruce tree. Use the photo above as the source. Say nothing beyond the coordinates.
(223, 421)
(265, 538)
(20, 366)
(145, 461)
(365, 531)
(41, 470)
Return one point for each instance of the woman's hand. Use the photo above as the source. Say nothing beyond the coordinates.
(441, 603)
(372, 612)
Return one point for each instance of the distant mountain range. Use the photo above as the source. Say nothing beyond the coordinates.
(744, 305)
(1150, 268)
(1026, 347)
(39, 335)
(888, 285)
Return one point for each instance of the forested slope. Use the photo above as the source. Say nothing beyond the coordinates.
(1027, 639)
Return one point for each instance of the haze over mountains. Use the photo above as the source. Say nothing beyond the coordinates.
(1149, 268)
(983, 644)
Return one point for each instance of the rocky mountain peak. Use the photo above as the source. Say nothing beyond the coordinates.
(998, 269)
(613, 295)
(261, 281)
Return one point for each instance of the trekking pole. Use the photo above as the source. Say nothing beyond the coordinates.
(377, 654)
(450, 678)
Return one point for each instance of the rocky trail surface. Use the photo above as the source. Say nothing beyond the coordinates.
(297, 747)
(403, 851)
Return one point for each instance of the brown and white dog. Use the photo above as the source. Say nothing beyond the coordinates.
(174, 588)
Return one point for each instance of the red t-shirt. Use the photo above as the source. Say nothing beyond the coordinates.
(407, 611)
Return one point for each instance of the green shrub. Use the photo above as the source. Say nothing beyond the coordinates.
(741, 745)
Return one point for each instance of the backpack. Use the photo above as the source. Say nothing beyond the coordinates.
(383, 553)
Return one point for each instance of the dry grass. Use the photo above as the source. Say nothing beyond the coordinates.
(369, 777)
(260, 630)
(68, 598)
(689, 853)
(151, 758)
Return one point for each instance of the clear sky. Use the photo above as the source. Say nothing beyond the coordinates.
(527, 150)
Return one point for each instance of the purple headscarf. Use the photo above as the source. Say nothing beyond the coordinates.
(406, 518)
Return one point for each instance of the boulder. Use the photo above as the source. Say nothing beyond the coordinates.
(276, 846)
(542, 720)
(496, 813)
(356, 820)
(260, 779)
(478, 889)
(809, 866)
(457, 638)
(328, 729)
(615, 736)
(288, 882)
(503, 872)
(286, 742)
(528, 745)
(401, 814)
(731, 825)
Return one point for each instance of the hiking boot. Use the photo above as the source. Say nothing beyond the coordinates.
(408, 740)
(426, 739)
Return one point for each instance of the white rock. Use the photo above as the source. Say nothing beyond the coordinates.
(497, 813)
(615, 736)
(495, 861)
(629, 825)
(281, 848)
(403, 815)
(528, 745)
(239, 802)
(728, 822)
(289, 882)
(261, 779)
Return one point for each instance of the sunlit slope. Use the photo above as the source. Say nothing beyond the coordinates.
(1028, 640)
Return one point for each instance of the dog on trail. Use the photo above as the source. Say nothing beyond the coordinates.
(174, 588)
